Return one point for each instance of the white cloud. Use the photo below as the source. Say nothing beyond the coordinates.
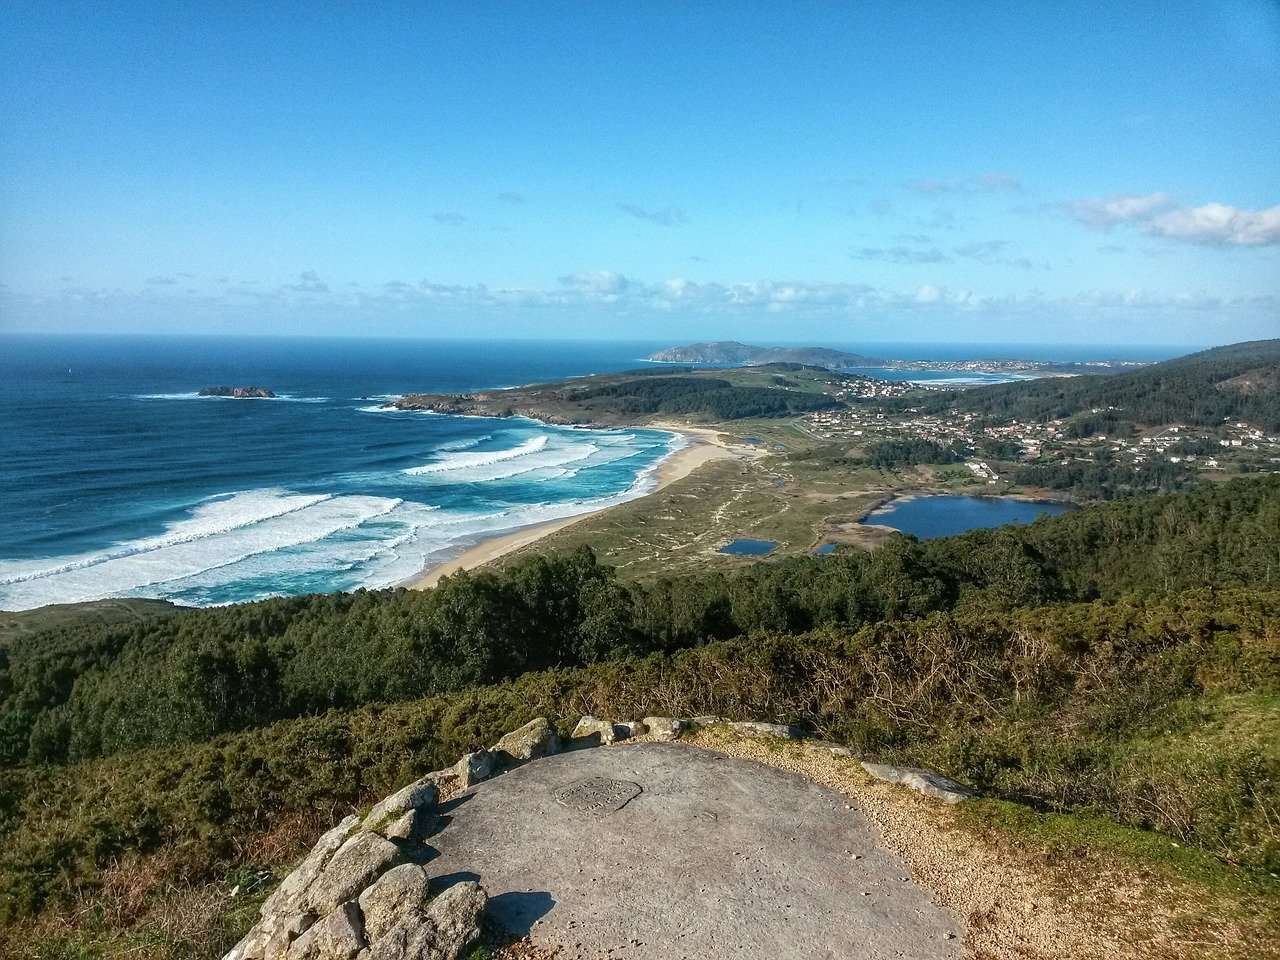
(1156, 214)
(604, 296)
(666, 217)
(1217, 223)
(991, 182)
(903, 255)
(308, 282)
(1122, 208)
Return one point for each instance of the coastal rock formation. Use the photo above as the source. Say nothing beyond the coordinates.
(238, 393)
(353, 894)
(922, 781)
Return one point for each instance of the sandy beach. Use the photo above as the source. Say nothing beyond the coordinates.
(703, 446)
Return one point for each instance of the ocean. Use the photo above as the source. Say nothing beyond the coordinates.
(117, 480)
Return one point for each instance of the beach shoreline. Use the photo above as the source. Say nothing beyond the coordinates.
(701, 446)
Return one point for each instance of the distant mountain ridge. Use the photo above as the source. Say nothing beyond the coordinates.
(731, 351)
(1240, 381)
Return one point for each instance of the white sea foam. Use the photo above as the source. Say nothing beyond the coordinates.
(192, 547)
(463, 461)
(265, 542)
(465, 444)
(517, 466)
(215, 515)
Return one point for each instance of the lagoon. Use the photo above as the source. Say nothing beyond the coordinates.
(744, 547)
(944, 515)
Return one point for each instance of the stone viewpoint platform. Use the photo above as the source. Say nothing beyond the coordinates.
(655, 850)
(595, 848)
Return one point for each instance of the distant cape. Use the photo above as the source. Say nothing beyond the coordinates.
(733, 352)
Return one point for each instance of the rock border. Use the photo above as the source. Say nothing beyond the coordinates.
(361, 893)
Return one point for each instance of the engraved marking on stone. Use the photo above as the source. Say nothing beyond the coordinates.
(597, 795)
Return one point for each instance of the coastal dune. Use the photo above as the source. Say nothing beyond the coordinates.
(703, 446)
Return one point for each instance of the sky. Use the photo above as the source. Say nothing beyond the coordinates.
(941, 172)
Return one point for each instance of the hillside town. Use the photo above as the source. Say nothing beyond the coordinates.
(1235, 446)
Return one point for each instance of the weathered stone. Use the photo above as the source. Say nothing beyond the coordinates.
(399, 892)
(357, 864)
(752, 728)
(252, 945)
(664, 728)
(338, 936)
(535, 739)
(422, 794)
(442, 932)
(603, 730)
(473, 768)
(602, 795)
(456, 914)
(629, 729)
(414, 825)
(296, 883)
(288, 930)
(707, 720)
(922, 781)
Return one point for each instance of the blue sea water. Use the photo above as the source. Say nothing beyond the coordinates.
(117, 480)
(945, 515)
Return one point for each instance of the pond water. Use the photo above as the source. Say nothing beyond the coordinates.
(826, 548)
(944, 516)
(749, 548)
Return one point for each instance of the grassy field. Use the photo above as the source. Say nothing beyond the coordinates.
(17, 625)
(799, 504)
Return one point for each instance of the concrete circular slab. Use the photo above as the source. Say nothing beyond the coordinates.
(712, 857)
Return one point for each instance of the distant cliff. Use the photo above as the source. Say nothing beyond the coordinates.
(238, 393)
(733, 352)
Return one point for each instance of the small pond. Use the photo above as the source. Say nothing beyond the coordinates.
(826, 548)
(749, 548)
(944, 516)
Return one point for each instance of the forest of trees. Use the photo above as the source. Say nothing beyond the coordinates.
(93, 690)
(1107, 477)
(1203, 389)
(701, 396)
(1140, 710)
(1119, 661)
(908, 452)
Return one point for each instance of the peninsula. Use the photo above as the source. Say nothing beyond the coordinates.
(731, 353)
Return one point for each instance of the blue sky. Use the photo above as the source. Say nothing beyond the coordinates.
(839, 172)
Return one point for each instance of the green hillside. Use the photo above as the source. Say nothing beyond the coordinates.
(1109, 678)
(97, 689)
(1236, 382)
